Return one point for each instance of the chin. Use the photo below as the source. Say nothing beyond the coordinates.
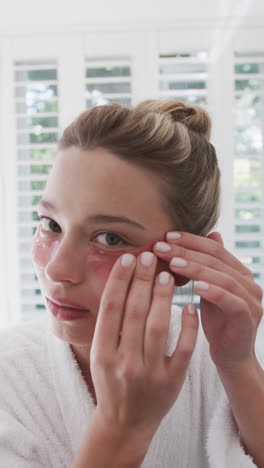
(73, 331)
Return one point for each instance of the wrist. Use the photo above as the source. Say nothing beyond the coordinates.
(107, 444)
(244, 386)
(236, 371)
(127, 440)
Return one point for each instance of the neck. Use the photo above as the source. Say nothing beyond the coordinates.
(80, 355)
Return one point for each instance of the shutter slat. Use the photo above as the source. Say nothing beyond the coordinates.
(31, 178)
(107, 63)
(249, 205)
(36, 98)
(251, 222)
(37, 115)
(195, 59)
(113, 96)
(183, 92)
(32, 130)
(36, 83)
(34, 162)
(109, 79)
(37, 146)
(244, 58)
(249, 237)
(19, 66)
(255, 93)
(183, 77)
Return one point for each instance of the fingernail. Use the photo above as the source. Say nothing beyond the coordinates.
(146, 258)
(162, 247)
(127, 260)
(164, 277)
(178, 262)
(173, 235)
(191, 309)
(202, 285)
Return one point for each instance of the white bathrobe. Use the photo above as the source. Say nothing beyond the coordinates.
(45, 407)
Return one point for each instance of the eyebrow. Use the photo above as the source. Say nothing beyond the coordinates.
(98, 218)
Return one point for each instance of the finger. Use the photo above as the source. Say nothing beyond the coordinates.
(157, 326)
(207, 261)
(210, 247)
(180, 358)
(107, 329)
(198, 272)
(138, 304)
(236, 306)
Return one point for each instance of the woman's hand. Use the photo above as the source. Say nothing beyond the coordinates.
(231, 300)
(135, 382)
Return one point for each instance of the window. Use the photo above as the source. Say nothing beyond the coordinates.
(36, 109)
(183, 76)
(108, 80)
(249, 162)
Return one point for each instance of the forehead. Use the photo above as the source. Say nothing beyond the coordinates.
(92, 180)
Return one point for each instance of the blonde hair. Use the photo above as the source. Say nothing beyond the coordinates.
(167, 137)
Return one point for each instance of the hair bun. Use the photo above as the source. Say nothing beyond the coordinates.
(194, 117)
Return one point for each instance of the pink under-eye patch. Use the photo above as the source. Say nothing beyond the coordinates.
(100, 261)
(42, 251)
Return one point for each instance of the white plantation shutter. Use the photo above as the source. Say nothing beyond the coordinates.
(108, 80)
(183, 76)
(249, 161)
(36, 103)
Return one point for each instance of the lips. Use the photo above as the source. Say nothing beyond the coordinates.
(63, 302)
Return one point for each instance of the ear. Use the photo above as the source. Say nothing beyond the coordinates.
(217, 237)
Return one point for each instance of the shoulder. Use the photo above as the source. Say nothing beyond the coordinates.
(22, 353)
(24, 372)
(23, 336)
(25, 404)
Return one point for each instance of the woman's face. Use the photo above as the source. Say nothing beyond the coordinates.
(80, 238)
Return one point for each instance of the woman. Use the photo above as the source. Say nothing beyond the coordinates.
(120, 378)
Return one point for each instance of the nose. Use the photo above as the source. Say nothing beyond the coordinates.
(67, 263)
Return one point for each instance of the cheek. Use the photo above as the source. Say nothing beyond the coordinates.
(42, 252)
(102, 262)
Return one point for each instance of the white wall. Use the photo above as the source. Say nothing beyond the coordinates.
(22, 13)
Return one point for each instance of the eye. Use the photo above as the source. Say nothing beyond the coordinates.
(111, 239)
(48, 223)
(108, 239)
